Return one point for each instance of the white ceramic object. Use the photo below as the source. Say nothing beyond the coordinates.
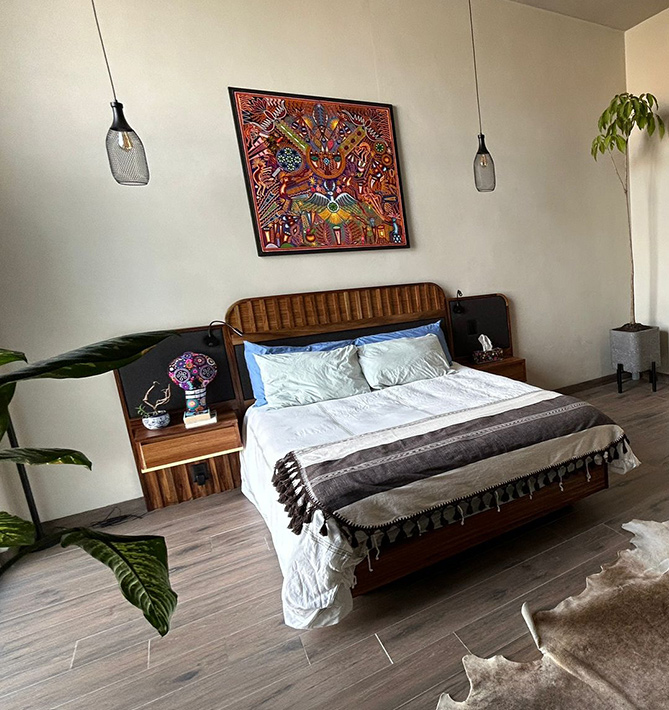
(157, 421)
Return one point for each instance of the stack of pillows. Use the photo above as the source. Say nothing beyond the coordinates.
(287, 376)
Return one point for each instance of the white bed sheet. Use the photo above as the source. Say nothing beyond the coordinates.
(318, 571)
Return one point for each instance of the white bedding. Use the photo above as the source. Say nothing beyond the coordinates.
(318, 571)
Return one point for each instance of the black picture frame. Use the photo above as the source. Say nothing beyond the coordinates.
(233, 91)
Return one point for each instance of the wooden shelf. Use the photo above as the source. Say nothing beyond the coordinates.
(140, 433)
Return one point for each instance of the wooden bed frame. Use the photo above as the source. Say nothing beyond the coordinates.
(327, 312)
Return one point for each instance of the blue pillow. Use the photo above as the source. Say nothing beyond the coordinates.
(417, 332)
(252, 349)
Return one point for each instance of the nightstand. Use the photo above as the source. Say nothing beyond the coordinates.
(512, 367)
(176, 464)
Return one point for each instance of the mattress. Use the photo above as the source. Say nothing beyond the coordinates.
(319, 570)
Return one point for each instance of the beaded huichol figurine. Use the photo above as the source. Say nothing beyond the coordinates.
(193, 372)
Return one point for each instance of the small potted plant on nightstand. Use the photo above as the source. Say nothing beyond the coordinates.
(152, 416)
(635, 347)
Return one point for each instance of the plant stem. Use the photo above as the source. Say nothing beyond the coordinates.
(41, 544)
(629, 231)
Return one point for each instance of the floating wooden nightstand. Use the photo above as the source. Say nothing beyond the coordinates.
(513, 367)
(167, 460)
(175, 464)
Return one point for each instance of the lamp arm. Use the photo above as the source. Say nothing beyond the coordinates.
(211, 340)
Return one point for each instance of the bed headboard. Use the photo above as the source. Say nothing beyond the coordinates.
(302, 318)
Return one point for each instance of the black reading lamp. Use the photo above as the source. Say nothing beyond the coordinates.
(127, 157)
(458, 307)
(211, 340)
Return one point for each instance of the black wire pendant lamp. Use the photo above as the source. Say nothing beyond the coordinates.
(127, 157)
(484, 165)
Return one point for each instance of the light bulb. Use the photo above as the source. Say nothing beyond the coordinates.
(124, 141)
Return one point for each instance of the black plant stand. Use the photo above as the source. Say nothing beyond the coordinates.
(653, 377)
(25, 483)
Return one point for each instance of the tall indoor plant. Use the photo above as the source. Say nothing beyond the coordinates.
(634, 347)
(138, 562)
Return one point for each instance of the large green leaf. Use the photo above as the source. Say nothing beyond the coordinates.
(141, 568)
(11, 356)
(6, 394)
(91, 359)
(15, 532)
(39, 457)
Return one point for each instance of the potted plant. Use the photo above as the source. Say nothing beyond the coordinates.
(634, 347)
(152, 417)
(139, 562)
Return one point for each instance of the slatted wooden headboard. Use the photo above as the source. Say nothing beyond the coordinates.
(321, 312)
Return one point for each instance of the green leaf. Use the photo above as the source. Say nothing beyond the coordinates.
(6, 394)
(660, 125)
(39, 457)
(594, 148)
(11, 356)
(15, 532)
(621, 144)
(141, 568)
(91, 359)
(651, 125)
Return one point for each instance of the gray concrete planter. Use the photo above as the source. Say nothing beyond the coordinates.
(636, 350)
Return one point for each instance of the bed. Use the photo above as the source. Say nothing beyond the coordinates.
(354, 537)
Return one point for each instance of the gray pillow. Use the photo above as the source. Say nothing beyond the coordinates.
(404, 360)
(291, 379)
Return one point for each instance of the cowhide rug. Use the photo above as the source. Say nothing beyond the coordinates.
(605, 649)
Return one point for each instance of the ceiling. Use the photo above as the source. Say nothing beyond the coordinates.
(619, 14)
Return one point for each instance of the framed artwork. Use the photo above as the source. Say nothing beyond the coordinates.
(322, 175)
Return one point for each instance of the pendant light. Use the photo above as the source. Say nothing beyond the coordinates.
(127, 157)
(484, 165)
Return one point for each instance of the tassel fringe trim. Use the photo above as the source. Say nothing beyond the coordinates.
(288, 479)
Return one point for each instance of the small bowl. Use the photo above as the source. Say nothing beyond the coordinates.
(157, 421)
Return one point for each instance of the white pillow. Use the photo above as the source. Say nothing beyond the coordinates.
(397, 362)
(291, 379)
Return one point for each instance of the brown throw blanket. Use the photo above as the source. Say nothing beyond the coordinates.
(416, 477)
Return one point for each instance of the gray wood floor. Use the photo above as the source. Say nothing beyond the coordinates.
(68, 639)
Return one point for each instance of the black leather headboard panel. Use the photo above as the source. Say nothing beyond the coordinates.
(136, 378)
(481, 315)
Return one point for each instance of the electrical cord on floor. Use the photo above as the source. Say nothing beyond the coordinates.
(110, 519)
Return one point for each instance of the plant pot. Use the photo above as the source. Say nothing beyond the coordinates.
(157, 421)
(635, 350)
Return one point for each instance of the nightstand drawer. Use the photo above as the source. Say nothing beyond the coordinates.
(512, 367)
(189, 447)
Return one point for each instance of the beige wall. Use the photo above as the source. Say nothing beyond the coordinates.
(84, 259)
(647, 49)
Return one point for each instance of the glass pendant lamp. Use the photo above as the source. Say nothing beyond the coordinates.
(125, 150)
(484, 165)
(484, 168)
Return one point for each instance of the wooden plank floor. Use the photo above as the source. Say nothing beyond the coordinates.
(68, 639)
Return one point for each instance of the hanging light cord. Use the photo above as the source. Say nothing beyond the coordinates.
(104, 51)
(476, 74)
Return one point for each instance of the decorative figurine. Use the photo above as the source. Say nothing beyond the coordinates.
(152, 417)
(193, 372)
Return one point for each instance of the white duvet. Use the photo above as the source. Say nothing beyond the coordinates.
(318, 571)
